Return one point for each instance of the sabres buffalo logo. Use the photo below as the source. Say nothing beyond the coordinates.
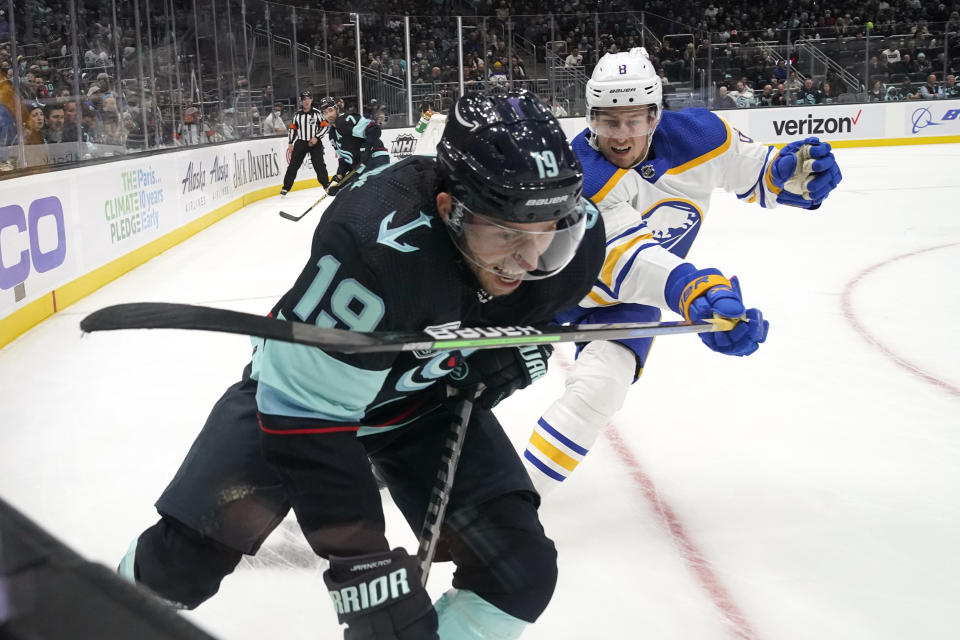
(674, 224)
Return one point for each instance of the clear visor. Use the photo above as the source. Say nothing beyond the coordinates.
(520, 251)
(624, 122)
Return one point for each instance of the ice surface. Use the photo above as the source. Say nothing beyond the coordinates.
(808, 491)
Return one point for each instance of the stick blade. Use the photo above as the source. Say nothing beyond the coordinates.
(289, 216)
(165, 315)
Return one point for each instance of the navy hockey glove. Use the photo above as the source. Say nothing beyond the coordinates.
(806, 172)
(700, 295)
(501, 371)
(380, 596)
(335, 186)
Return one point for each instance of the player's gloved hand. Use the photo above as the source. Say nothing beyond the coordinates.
(501, 371)
(721, 297)
(379, 595)
(807, 172)
(335, 185)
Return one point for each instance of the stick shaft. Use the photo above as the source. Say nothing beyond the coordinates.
(161, 315)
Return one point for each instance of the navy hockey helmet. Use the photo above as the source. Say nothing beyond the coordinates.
(505, 155)
(516, 186)
(326, 102)
(305, 94)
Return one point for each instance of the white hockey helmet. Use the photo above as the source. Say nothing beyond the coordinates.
(624, 80)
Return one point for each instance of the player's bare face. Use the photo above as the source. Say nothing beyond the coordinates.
(329, 114)
(503, 252)
(623, 133)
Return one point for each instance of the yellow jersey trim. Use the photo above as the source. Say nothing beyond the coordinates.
(710, 155)
(553, 453)
(611, 183)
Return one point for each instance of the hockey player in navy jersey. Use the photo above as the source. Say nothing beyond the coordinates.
(356, 140)
(651, 174)
(493, 231)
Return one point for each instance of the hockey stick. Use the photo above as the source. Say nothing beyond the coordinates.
(163, 315)
(440, 495)
(290, 216)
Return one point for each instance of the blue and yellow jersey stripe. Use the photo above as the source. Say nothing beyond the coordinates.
(554, 454)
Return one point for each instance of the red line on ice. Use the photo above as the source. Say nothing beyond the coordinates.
(691, 554)
(708, 579)
(851, 315)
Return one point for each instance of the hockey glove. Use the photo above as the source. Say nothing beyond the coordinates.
(335, 186)
(380, 595)
(700, 295)
(806, 172)
(501, 371)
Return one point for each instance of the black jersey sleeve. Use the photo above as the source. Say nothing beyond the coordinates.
(336, 289)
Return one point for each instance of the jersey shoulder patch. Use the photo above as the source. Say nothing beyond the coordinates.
(598, 172)
(690, 137)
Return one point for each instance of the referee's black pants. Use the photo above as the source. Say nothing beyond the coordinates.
(300, 150)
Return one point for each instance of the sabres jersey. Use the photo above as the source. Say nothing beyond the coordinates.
(382, 260)
(654, 211)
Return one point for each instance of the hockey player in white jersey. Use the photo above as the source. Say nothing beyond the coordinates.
(651, 174)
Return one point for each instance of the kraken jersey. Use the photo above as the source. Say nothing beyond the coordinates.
(355, 139)
(654, 211)
(382, 260)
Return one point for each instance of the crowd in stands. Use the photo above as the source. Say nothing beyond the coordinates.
(730, 54)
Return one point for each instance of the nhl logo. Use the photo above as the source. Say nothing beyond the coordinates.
(647, 171)
(403, 146)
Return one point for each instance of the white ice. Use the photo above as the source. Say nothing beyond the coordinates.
(808, 491)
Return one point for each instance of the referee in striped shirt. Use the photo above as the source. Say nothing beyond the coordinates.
(305, 132)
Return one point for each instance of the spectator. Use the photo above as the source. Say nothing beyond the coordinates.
(765, 99)
(273, 124)
(191, 132)
(38, 119)
(90, 125)
(780, 96)
(876, 92)
(780, 71)
(931, 89)
(828, 92)
(950, 89)
(793, 83)
(891, 55)
(555, 107)
(809, 94)
(724, 101)
(743, 95)
(902, 91)
(113, 130)
(574, 59)
(53, 133)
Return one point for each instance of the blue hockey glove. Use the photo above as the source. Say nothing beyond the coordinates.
(806, 172)
(501, 371)
(700, 295)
